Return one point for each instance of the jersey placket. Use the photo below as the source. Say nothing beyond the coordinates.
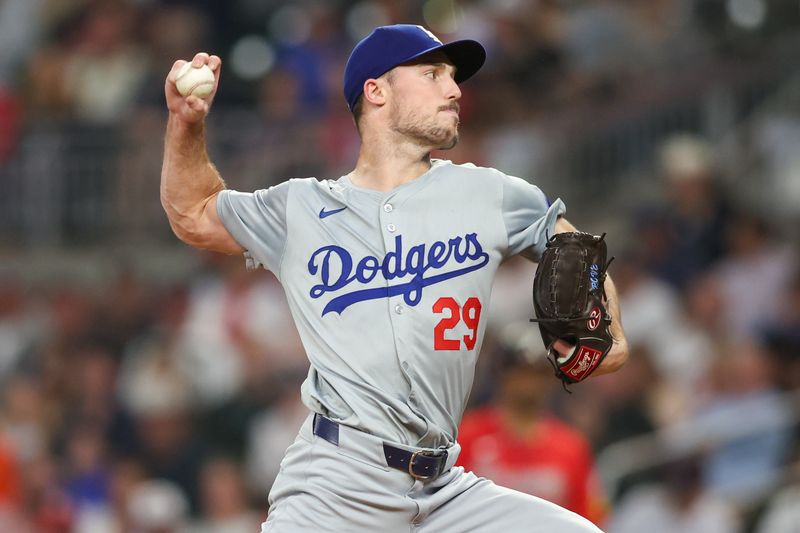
(391, 226)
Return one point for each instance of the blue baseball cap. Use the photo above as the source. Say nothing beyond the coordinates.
(389, 46)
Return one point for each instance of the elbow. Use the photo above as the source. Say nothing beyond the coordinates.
(198, 227)
(187, 233)
(186, 225)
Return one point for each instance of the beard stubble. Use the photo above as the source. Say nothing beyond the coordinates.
(425, 131)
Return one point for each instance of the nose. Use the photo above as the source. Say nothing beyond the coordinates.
(452, 91)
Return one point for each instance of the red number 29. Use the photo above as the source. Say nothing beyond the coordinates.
(470, 314)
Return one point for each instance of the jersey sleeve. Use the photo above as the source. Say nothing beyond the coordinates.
(257, 221)
(528, 216)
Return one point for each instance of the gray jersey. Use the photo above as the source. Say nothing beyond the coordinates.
(387, 289)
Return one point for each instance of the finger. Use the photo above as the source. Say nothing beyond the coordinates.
(197, 104)
(176, 66)
(214, 63)
(199, 59)
(563, 348)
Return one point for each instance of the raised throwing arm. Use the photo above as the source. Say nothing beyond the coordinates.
(189, 181)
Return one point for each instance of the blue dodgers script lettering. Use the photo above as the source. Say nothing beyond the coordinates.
(337, 270)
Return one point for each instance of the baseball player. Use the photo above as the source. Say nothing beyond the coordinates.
(387, 271)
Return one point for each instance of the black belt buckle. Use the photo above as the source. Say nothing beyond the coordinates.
(440, 455)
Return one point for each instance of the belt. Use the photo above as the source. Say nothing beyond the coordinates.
(420, 464)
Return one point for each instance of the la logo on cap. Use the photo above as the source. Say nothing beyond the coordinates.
(430, 33)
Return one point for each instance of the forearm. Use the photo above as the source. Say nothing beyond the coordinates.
(188, 179)
(618, 354)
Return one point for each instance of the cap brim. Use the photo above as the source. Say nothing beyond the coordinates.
(467, 56)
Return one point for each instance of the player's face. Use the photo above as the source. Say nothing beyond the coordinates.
(424, 102)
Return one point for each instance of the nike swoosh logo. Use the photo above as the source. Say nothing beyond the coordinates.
(323, 213)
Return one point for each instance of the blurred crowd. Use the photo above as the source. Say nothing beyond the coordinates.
(81, 103)
(161, 403)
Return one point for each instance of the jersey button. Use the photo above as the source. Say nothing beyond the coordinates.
(398, 309)
(388, 208)
(391, 228)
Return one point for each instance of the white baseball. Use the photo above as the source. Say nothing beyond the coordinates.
(196, 81)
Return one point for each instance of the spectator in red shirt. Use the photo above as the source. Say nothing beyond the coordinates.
(516, 443)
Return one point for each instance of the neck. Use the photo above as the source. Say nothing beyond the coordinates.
(388, 161)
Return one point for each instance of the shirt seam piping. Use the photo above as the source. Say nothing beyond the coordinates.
(286, 222)
(503, 218)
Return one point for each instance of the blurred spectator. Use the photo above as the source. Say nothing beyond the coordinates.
(172, 31)
(678, 505)
(155, 387)
(518, 444)
(123, 311)
(87, 476)
(705, 304)
(151, 380)
(10, 482)
(631, 399)
(761, 267)
(159, 396)
(782, 337)
(13, 521)
(655, 319)
(272, 431)
(20, 25)
(512, 298)
(115, 516)
(24, 419)
(10, 118)
(46, 97)
(90, 400)
(683, 238)
(70, 322)
(527, 47)
(224, 500)
(22, 325)
(238, 330)
(596, 40)
(171, 450)
(103, 73)
(271, 144)
(782, 511)
(46, 502)
(663, 36)
(774, 141)
(744, 462)
(158, 506)
(635, 402)
(309, 49)
(610, 43)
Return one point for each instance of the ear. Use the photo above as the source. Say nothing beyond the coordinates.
(375, 91)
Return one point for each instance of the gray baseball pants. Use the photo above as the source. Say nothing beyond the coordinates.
(349, 488)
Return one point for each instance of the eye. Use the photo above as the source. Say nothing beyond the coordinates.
(432, 74)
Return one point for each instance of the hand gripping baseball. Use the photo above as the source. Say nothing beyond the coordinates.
(570, 303)
(191, 109)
